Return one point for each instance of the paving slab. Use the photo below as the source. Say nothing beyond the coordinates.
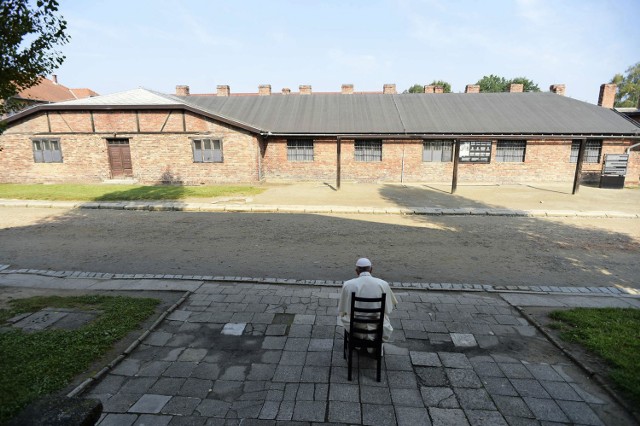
(289, 366)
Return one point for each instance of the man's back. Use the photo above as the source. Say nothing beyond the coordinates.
(366, 286)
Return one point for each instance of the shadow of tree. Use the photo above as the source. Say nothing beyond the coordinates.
(169, 187)
(158, 192)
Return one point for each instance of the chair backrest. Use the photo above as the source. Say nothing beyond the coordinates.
(367, 315)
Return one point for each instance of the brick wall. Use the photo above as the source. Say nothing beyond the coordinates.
(545, 161)
(156, 156)
(161, 152)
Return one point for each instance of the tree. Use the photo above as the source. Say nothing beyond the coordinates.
(416, 88)
(28, 38)
(494, 83)
(628, 87)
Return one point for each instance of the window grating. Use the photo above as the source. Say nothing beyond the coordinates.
(368, 151)
(300, 150)
(591, 154)
(207, 151)
(511, 151)
(437, 151)
(47, 151)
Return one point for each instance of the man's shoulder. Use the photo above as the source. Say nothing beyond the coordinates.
(379, 281)
(350, 283)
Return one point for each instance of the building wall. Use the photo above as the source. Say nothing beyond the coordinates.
(545, 161)
(161, 151)
(159, 142)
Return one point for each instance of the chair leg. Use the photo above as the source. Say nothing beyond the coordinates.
(344, 345)
(379, 356)
(350, 362)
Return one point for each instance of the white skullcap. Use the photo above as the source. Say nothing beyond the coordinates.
(363, 262)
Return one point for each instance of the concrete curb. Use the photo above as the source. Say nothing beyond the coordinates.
(590, 291)
(592, 374)
(250, 208)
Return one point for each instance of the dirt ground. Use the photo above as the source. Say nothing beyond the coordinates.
(465, 249)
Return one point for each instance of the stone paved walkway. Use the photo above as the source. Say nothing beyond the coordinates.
(271, 354)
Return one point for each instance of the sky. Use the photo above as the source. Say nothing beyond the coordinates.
(120, 45)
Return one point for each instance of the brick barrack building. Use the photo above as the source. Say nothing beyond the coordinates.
(153, 138)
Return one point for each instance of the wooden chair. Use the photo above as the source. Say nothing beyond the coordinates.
(365, 328)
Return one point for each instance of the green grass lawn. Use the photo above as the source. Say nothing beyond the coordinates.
(73, 192)
(39, 363)
(611, 333)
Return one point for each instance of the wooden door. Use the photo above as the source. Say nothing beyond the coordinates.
(120, 158)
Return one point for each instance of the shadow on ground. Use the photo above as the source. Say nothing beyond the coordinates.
(460, 249)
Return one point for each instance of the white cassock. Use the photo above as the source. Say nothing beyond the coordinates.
(366, 286)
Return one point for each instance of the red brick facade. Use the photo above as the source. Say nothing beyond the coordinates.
(159, 141)
(161, 151)
(545, 161)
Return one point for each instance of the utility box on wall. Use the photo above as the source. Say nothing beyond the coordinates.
(614, 171)
(611, 182)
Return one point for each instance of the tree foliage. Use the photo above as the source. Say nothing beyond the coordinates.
(416, 88)
(28, 39)
(494, 83)
(628, 92)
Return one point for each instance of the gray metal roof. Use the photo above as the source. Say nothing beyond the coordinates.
(545, 114)
(450, 113)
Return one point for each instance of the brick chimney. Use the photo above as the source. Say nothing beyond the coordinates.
(516, 88)
(182, 90)
(558, 89)
(389, 89)
(54, 78)
(438, 89)
(472, 88)
(429, 89)
(347, 89)
(264, 90)
(305, 89)
(607, 95)
(286, 91)
(224, 90)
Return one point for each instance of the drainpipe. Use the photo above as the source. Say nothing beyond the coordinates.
(632, 146)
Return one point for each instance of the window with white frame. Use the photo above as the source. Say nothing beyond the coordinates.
(207, 150)
(368, 150)
(47, 151)
(592, 151)
(300, 150)
(437, 151)
(511, 151)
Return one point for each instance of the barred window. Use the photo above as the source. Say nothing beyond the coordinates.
(511, 151)
(437, 151)
(47, 151)
(207, 150)
(300, 150)
(368, 150)
(591, 154)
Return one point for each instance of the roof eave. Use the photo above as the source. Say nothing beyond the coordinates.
(431, 135)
